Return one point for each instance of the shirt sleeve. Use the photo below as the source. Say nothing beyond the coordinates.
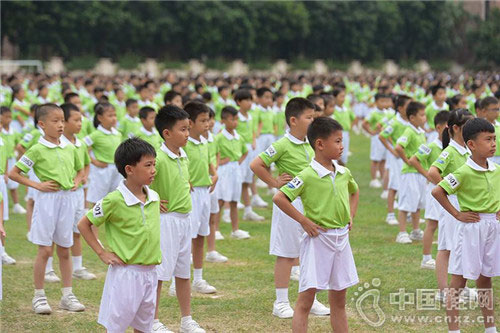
(442, 161)
(294, 188)
(78, 161)
(271, 154)
(26, 140)
(100, 212)
(352, 186)
(27, 161)
(89, 140)
(404, 139)
(423, 153)
(387, 131)
(452, 182)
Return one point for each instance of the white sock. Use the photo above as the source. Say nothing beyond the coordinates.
(226, 213)
(77, 263)
(156, 321)
(186, 319)
(282, 295)
(39, 292)
(248, 209)
(418, 229)
(427, 257)
(48, 267)
(492, 329)
(255, 196)
(172, 285)
(66, 291)
(455, 331)
(197, 274)
(295, 269)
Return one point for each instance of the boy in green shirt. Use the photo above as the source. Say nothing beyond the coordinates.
(474, 255)
(330, 198)
(130, 216)
(130, 123)
(490, 110)
(60, 171)
(148, 132)
(438, 104)
(172, 184)
(2, 234)
(345, 117)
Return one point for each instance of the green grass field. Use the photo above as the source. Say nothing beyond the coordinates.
(245, 283)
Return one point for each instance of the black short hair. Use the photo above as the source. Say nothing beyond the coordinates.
(381, 95)
(435, 89)
(228, 111)
(401, 101)
(43, 110)
(296, 106)
(474, 126)
(69, 96)
(168, 116)
(4, 109)
(207, 96)
(130, 152)
(441, 118)
(487, 101)
(67, 108)
(145, 111)
(322, 128)
(169, 96)
(130, 101)
(313, 98)
(261, 91)
(222, 88)
(242, 94)
(413, 108)
(194, 109)
(211, 114)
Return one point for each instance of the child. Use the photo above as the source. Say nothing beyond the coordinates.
(438, 104)
(87, 126)
(422, 160)
(412, 194)
(330, 198)
(474, 255)
(280, 125)
(232, 152)
(5, 258)
(203, 178)
(345, 117)
(291, 155)
(148, 132)
(489, 110)
(60, 171)
(103, 142)
(131, 219)
(130, 123)
(172, 97)
(172, 184)
(453, 156)
(389, 136)
(3, 235)
(20, 108)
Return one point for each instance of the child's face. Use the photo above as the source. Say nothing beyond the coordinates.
(321, 103)
(177, 101)
(53, 123)
(76, 100)
(382, 103)
(302, 122)
(120, 95)
(484, 146)
(6, 118)
(491, 112)
(74, 123)
(200, 125)
(224, 93)
(419, 119)
(440, 96)
(44, 92)
(231, 122)
(211, 123)
(402, 110)
(21, 94)
(340, 98)
(133, 110)
(330, 108)
(266, 99)
(108, 118)
(149, 122)
(178, 135)
(245, 104)
(331, 147)
(462, 103)
(144, 171)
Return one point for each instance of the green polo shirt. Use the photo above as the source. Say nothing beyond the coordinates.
(374, 118)
(280, 121)
(411, 140)
(477, 188)
(497, 133)
(451, 158)
(59, 163)
(394, 129)
(344, 116)
(290, 155)
(428, 153)
(128, 126)
(245, 127)
(324, 194)
(172, 180)
(230, 145)
(87, 127)
(153, 137)
(29, 139)
(3, 157)
(10, 139)
(212, 149)
(132, 227)
(432, 110)
(199, 162)
(266, 117)
(104, 143)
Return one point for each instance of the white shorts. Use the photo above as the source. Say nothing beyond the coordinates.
(412, 192)
(31, 193)
(246, 172)
(53, 219)
(214, 203)
(326, 261)
(345, 141)
(495, 159)
(129, 298)
(447, 223)
(200, 215)
(264, 141)
(377, 149)
(175, 243)
(1, 284)
(432, 206)
(79, 198)
(361, 110)
(432, 136)
(11, 185)
(476, 248)
(102, 181)
(228, 187)
(395, 167)
(286, 233)
(5, 195)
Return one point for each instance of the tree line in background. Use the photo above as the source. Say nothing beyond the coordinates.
(253, 31)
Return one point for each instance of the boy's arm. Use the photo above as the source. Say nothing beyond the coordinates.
(442, 197)
(367, 128)
(353, 204)
(20, 150)
(109, 258)
(282, 201)
(434, 175)
(401, 153)
(259, 168)
(49, 186)
(78, 179)
(414, 162)
(2, 230)
(242, 158)
(387, 145)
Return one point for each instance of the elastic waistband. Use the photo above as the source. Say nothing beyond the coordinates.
(487, 216)
(176, 215)
(337, 231)
(140, 268)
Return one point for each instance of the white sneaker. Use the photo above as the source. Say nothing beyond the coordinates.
(349, 153)
(160, 328)
(215, 256)
(240, 205)
(218, 235)
(319, 309)
(40, 305)
(282, 310)
(396, 206)
(403, 238)
(257, 201)
(417, 234)
(7, 260)
(421, 221)
(172, 291)
(391, 219)
(295, 275)
(429, 264)
(71, 303)
(191, 327)
(83, 274)
(384, 194)
(18, 209)
(203, 287)
(252, 216)
(259, 183)
(375, 183)
(240, 234)
(226, 218)
(51, 277)
(272, 191)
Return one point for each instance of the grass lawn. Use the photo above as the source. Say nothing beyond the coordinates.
(245, 283)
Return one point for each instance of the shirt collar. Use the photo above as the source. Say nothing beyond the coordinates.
(477, 167)
(229, 136)
(241, 117)
(63, 143)
(497, 123)
(435, 107)
(105, 131)
(294, 139)
(210, 137)
(401, 120)
(438, 143)
(459, 148)
(322, 171)
(131, 199)
(171, 154)
(135, 120)
(418, 130)
(148, 133)
(78, 143)
(196, 142)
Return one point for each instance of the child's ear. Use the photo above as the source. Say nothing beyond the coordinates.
(165, 133)
(191, 123)
(128, 169)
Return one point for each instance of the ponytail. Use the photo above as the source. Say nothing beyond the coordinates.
(99, 110)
